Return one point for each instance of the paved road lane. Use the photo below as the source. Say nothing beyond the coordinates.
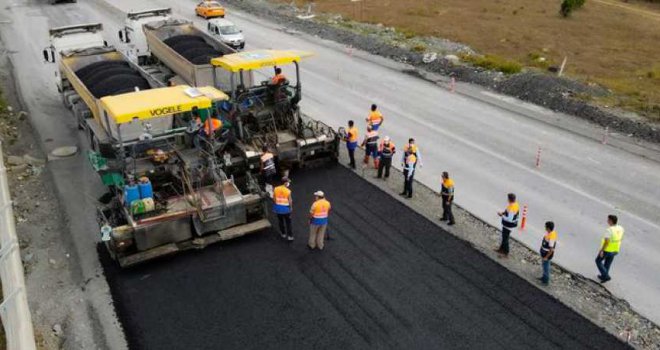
(390, 279)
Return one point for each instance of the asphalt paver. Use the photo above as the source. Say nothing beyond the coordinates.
(388, 278)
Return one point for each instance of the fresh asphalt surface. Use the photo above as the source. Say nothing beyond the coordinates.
(389, 279)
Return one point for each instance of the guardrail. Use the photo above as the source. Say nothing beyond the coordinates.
(14, 309)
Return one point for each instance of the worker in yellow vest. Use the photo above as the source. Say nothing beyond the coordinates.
(447, 195)
(548, 245)
(318, 221)
(509, 223)
(408, 173)
(386, 151)
(282, 206)
(351, 142)
(609, 248)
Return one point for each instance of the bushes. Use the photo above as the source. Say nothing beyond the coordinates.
(567, 6)
(494, 63)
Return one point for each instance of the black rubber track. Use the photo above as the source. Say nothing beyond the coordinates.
(179, 38)
(389, 280)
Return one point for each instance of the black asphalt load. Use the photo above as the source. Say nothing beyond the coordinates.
(389, 279)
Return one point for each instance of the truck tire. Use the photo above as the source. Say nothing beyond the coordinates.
(101, 74)
(83, 72)
(111, 85)
(179, 38)
(79, 109)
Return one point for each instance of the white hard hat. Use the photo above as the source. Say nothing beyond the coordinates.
(387, 138)
(319, 194)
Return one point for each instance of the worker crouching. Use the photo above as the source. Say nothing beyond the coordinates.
(318, 221)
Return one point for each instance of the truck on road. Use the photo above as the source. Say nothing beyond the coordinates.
(89, 69)
(133, 36)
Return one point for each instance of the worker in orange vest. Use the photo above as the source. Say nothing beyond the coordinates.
(375, 118)
(279, 77)
(351, 142)
(447, 195)
(318, 221)
(283, 206)
(509, 223)
(386, 151)
(370, 144)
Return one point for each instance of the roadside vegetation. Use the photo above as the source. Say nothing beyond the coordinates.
(609, 43)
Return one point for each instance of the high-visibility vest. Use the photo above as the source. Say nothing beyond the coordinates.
(372, 138)
(320, 211)
(268, 162)
(510, 217)
(615, 234)
(281, 197)
(278, 79)
(410, 161)
(375, 118)
(410, 148)
(353, 135)
(212, 124)
(386, 151)
(549, 242)
(447, 188)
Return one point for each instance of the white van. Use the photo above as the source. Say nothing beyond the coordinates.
(227, 32)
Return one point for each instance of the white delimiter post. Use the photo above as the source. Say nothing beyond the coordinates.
(14, 309)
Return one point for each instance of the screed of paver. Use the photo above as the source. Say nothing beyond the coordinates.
(388, 279)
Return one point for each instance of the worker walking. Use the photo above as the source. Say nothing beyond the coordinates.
(509, 223)
(547, 250)
(411, 147)
(318, 221)
(370, 144)
(268, 169)
(283, 206)
(609, 248)
(447, 195)
(351, 142)
(386, 151)
(375, 118)
(408, 173)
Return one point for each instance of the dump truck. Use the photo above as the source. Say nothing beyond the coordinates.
(89, 69)
(166, 191)
(183, 52)
(133, 36)
(267, 114)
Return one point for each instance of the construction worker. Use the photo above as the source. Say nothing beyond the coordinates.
(408, 172)
(283, 206)
(212, 125)
(547, 250)
(411, 147)
(279, 77)
(268, 169)
(318, 221)
(386, 151)
(375, 118)
(370, 144)
(509, 223)
(609, 248)
(351, 142)
(447, 195)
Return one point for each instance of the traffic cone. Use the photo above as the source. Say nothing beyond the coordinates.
(523, 222)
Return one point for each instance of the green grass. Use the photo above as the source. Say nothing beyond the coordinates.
(492, 62)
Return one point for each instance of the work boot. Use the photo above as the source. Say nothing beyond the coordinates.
(376, 163)
(289, 238)
(451, 223)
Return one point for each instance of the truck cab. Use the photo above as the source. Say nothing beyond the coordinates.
(133, 36)
(227, 32)
(69, 39)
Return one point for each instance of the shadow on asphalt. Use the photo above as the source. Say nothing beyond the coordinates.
(389, 279)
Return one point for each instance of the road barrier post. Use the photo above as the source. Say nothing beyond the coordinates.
(538, 157)
(452, 85)
(14, 308)
(605, 134)
(523, 222)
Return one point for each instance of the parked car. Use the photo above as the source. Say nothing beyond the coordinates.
(210, 9)
(227, 32)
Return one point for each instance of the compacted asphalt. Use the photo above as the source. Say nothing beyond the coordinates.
(389, 278)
